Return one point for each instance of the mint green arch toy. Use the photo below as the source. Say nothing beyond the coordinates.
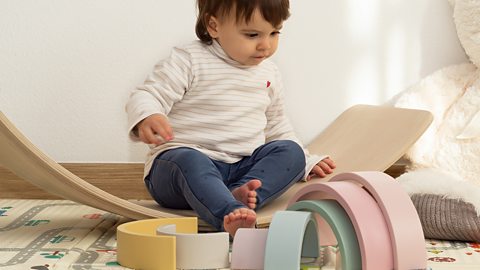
(333, 213)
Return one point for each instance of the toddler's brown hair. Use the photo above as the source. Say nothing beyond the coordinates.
(274, 11)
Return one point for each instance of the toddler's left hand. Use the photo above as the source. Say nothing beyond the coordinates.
(322, 168)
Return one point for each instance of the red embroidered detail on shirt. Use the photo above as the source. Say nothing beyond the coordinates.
(268, 84)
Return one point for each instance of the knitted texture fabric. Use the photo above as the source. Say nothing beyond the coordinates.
(449, 219)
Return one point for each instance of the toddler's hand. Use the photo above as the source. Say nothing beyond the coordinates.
(322, 168)
(153, 125)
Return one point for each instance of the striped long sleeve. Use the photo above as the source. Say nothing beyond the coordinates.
(214, 104)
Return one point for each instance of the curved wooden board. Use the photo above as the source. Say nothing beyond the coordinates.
(20, 156)
(363, 138)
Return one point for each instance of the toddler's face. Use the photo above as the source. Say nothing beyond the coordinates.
(247, 43)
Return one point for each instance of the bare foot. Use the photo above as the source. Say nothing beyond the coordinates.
(239, 218)
(246, 193)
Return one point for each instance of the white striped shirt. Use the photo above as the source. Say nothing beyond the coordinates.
(214, 104)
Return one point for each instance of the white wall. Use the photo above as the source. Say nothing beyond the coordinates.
(66, 67)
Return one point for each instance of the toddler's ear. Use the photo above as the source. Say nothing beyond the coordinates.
(472, 129)
(212, 26)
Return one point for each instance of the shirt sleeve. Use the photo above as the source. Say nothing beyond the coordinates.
(279, 127)
(166, 85)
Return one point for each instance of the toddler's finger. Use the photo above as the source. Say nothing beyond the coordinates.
(149, 136)
(164, 134)
(318, 171)
(330, 163)
(325, 167)
(164, 130)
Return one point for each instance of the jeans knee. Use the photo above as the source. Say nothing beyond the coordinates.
(293, 149)
(183, 155)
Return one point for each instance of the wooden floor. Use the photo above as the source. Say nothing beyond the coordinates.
(120, 179)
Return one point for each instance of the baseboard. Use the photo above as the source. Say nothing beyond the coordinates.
(124, 180)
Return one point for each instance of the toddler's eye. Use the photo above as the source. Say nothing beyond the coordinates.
(251, 35)
(275, 33)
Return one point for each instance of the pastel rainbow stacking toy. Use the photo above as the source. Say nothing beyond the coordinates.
(367, 214)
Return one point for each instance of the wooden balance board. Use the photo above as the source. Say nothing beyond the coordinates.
(362, 138)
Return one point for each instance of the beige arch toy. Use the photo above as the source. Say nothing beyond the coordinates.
(363, 138)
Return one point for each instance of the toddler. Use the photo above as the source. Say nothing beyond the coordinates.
(213, 115)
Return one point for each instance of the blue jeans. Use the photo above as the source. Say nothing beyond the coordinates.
(184, 178)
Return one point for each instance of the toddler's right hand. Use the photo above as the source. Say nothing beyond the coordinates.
(152, 126)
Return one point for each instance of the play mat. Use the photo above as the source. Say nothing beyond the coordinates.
(61, 234)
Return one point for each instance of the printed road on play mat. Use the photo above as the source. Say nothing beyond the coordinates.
(61, 234)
